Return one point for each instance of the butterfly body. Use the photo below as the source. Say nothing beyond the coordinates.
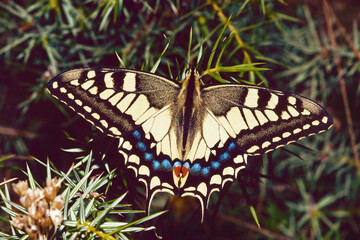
(187, 140)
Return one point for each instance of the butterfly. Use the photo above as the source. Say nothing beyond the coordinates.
(186, 140)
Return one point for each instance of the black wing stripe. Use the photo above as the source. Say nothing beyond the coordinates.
(265, 119)
(114, 98)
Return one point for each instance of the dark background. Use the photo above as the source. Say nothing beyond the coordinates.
(310, 47)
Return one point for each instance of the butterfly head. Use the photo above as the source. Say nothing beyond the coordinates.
(192, 71)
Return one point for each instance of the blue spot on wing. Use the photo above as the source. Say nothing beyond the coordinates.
(224, 156)
(142, 146)
(196, 168)
(205, 171)
(187, 165)
(177, 164)
(156, 165)
(148, 156)
(137, 134)
(166, 164)
(232, 146)
(215, 164)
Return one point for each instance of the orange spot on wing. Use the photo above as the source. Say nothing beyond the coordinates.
(184, 171)
(177, 170)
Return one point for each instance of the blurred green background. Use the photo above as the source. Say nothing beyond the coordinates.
(310, 47)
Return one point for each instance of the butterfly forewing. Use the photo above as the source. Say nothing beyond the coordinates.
(114, 100)
(261, 119)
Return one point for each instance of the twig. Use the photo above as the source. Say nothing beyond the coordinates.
(345, 35)
(143, 30)
(329, 16)
(232, 29)
(16, 157)
(17, 133)
(8, 181)
(252, 227)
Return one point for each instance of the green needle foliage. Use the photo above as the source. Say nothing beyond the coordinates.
(85, 211)
(286, 45)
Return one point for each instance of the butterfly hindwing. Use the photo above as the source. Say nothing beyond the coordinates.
(206, 177)
(152, 168)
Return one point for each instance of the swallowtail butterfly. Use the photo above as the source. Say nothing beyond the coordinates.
(187, 140)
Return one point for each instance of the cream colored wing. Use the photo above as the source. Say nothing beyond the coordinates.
(135, 107)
